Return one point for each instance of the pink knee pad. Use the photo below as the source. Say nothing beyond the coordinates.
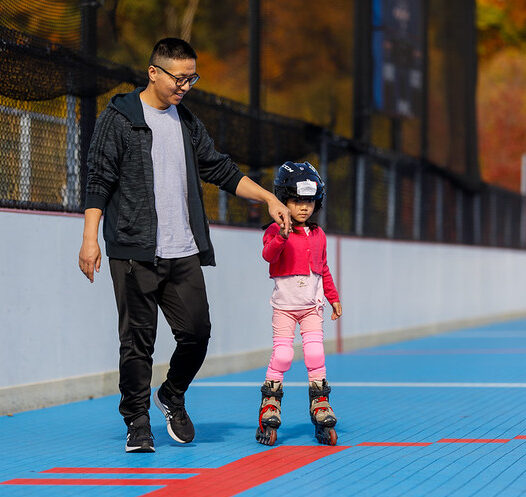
(314, 354)
(281, 360)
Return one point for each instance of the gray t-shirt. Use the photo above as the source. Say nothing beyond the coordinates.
(174, 236)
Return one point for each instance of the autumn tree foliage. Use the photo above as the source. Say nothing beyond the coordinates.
(306, 45)
(307, 59)
(306, 50)
(54, 20)
(501, 98)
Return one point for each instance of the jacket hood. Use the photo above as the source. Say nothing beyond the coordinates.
(129, 105)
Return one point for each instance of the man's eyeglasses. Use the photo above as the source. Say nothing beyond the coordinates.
(181, 81)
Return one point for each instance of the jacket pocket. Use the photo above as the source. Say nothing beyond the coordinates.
(134, 223)
(128, 217)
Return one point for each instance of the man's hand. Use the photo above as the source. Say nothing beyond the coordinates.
(283, 233)
(89, 255)
(246, 188)
(89, 258)
(336, 310)
(281, 214)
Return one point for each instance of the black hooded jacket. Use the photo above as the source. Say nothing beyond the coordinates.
(120, 178)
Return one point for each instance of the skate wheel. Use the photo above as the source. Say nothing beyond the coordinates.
(333, 436)
(267, 437)
(326, 436)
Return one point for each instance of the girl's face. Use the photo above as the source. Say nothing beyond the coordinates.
(300, 210)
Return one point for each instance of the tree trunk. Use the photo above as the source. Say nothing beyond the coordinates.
(188, 20)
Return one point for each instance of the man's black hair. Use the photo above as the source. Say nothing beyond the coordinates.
(172, 48)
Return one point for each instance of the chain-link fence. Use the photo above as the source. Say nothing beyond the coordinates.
(370, 191)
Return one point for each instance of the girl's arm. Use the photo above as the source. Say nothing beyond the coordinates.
(329, 288)
(273, 243)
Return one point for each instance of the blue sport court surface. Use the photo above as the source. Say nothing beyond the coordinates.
(436, 416)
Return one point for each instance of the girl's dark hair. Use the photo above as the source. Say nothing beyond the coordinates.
(310, 224)
(172, 48)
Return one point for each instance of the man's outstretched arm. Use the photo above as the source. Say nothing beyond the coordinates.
(247, 188)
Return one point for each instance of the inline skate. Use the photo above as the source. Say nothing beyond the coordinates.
(269, 412)
(321, 413)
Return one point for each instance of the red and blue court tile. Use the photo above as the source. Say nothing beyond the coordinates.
(440, 416)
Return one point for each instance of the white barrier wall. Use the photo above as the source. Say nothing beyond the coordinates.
(399, 285)
(55, 325)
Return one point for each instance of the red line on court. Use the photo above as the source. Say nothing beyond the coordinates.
(473, 440)
(172, 471)
(226, 481)
(395, 444)
(90, 481)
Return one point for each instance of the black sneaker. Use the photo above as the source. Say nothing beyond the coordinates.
(178, 423)
(140, 438)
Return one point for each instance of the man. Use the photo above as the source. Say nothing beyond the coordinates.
(147, 156)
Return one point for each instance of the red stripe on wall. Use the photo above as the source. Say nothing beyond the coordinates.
(41, 213)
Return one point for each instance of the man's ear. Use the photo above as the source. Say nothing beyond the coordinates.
(152, 73)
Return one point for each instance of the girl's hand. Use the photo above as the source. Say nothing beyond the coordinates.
(336, 310)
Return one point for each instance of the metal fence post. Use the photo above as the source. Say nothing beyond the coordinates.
(324, 167)
(459, 215)
(477, 227)
(523, 221)
(523, 202)
(360, 195)
(417, 205)
(71, 197)
(254, 209)
(88, 105)
(362, 100)
(439, 209)
(223, 196)
(493, 217)
(391, 202)
(507, 223)
(25, 157)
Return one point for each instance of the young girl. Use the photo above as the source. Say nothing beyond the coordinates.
(298, 265)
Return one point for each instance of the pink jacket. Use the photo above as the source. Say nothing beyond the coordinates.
(298, 255)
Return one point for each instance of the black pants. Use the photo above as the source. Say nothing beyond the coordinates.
(177, 286)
